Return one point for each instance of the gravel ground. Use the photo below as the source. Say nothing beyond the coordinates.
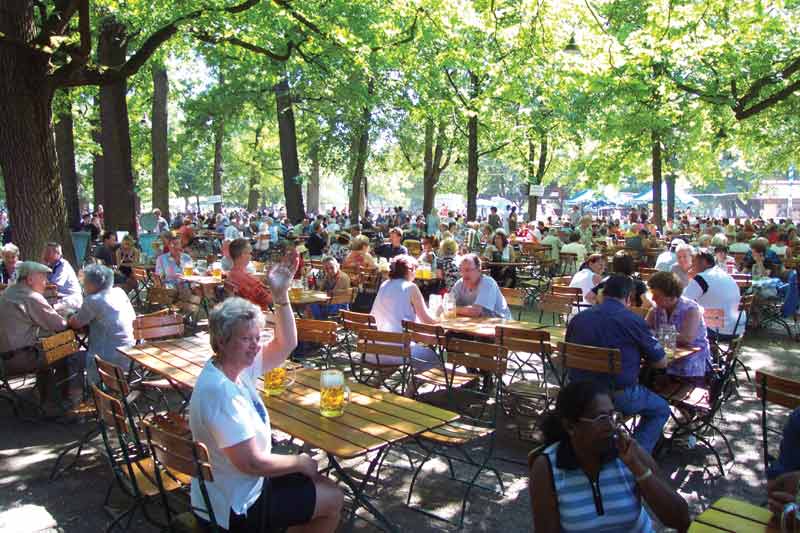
(29, 502)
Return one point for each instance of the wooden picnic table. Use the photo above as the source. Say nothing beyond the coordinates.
(483, 326)
(307, 297)
(203, 281)
(373, 421)
(729, 515)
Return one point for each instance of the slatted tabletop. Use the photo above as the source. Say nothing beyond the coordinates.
(308, 297)
(202, 280)
(482, 326)
(372, 420)
(734, 516)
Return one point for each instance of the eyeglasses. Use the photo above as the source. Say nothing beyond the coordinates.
(612, 419)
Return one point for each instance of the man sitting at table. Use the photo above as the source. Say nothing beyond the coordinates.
(62, 275)
(27, 317)
(612, 325)
(394, 246)
(714, 288)
(476, 294)
(760, 261)
(248, 286)
(333, 282)
(169, 266)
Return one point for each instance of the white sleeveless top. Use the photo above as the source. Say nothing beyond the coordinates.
(393, 305)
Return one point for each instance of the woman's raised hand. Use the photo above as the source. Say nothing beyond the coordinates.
(280, 276)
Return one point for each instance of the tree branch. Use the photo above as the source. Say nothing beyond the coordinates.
(57, 22)
(769, 79)
(456, 90)
(781, 95)
(495, 149)
(206, 38)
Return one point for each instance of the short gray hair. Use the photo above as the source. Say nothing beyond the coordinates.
(330, 259)
(225, 316)
(685, 246)
(100, 276)
(11, 248)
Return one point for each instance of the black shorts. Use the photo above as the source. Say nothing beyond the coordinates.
(285, 501)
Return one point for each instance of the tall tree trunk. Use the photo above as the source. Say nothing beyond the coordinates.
(65, 148)
(670, 196)
(158, 138)
(120, 199)
(252, 195)
(287, 134)
(312, 190)
(472, 153)
(428, 185)
(536, 172)
(656, 166)
(358, 158)
(98, 172)
(27, 148)
(216, 182)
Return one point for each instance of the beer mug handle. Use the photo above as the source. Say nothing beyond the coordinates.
(289, 377)
(788, 516)
(346, 395)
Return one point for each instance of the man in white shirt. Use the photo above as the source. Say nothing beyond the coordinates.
(666, 259)
(713, 288)
(551, 239)
(477, 294)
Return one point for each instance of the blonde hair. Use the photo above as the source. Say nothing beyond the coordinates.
(448, 247)
(225, 316)
(359, 242)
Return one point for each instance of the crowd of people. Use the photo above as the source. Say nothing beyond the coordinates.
(694, 271)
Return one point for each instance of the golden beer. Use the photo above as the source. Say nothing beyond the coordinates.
(276, 381)
(217, 272)
(334, 393)
(295, 292)
(188, 270)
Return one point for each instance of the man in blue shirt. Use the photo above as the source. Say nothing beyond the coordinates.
(612, 325)
(394, 246)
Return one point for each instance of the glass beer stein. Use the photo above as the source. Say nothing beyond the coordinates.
(278, 379)
(334, 394)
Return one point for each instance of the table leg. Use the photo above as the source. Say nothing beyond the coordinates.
(361, 499)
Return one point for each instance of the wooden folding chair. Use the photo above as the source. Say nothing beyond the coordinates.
(527, 399)
(777, 390)
(351, 323)
(478, 407)
(174, 453)
(568, 262)
(382, 355)
(560, 306)
(596, 359)
(133, 468)
(321, 332)
(433, 337)
(516, 300)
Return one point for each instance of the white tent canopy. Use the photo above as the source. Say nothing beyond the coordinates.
(681, 196)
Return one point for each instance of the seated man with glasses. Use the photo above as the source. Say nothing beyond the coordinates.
(477, 294)
(612, 325)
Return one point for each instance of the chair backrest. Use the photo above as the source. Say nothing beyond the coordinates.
(562, 281)
(58, 346)
(110, 412)
(370, 279)
(514, 297)
(161, 295)
(574, 292)
(139, 274)
(157, 326)
(489, 357)
(590, 358)
(354, 274)
(714, 318)
(777, 390)
(523, 340)
(113, 378)
(568, 259)
(346, 296)
(428, 334)
(318, 331)
(352, 321)
(558, 304)
(179, 454)
(384, 343)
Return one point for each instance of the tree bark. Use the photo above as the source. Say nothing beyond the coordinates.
(472, 154)
(27, 148)
(428, 185)
(252, 195)
(312, 190)
(287, 134)
(158, 138)
(65, 148)
(670, 196)
(98, 179)
(536, 172)
(120, 198)
(219, 137)
(656, 167)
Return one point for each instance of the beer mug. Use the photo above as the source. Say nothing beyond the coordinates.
(188, 268)
(334, 393)
(277, 380)
(216, 270)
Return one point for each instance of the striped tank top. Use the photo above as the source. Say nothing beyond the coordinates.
(610, 505)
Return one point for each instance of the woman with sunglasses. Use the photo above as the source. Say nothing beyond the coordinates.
(592, 476)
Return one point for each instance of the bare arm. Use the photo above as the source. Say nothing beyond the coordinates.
(249, 459)
(418, 303)
(544, 505)
(285, 338)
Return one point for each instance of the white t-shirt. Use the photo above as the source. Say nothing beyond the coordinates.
(222, 414)
(487, 294)
(665, 261)
(393, 305)
(718, 292)
(584, 280)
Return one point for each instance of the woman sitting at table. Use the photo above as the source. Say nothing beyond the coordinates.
(127, 255)
(592, 476)
(334, 283)
(500, 251)
(359, 255)
(447, 263)
(589, 276)
(169, 266)
(761, 262)
(684, 259)
(254, 490)
(109, 314)
(400, 299)
(428, 254)
(671, 308)
(247, 285)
